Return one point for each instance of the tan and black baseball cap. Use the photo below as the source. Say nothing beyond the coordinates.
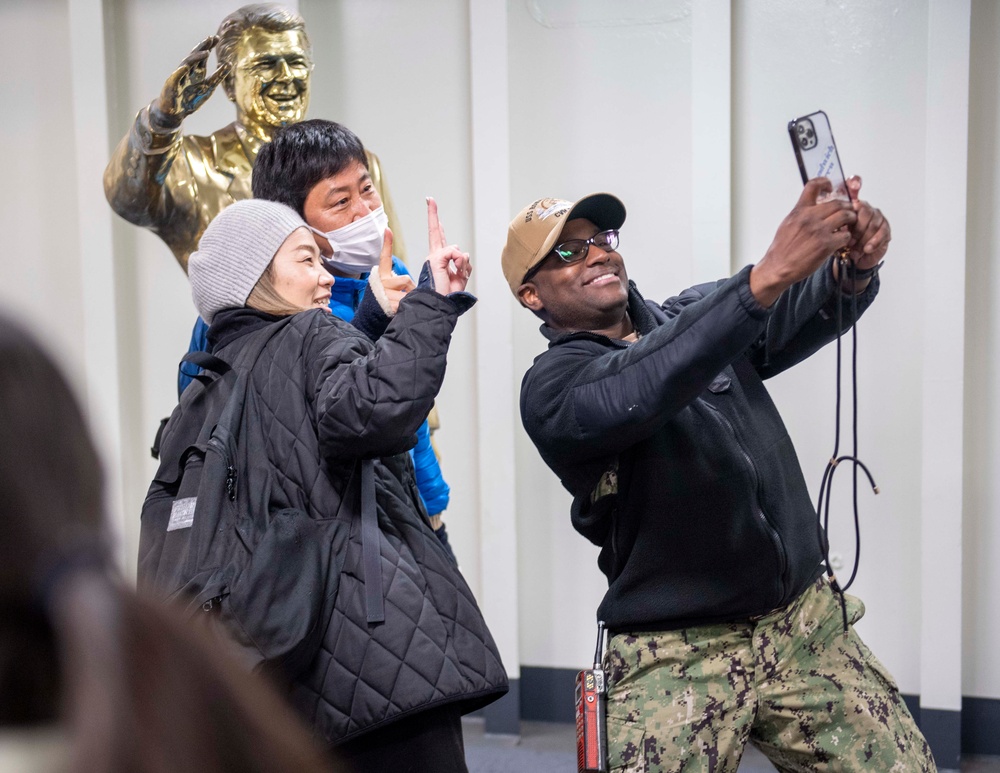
(536, 229)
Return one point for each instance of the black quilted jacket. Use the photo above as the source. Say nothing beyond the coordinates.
(680, 466)
(329, 397)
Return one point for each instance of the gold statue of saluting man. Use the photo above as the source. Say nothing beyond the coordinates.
(174, 184)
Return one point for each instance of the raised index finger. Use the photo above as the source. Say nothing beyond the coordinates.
(385, 259)
(435, 233)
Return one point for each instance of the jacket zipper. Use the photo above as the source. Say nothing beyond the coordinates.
(758, 509)
(614, 542)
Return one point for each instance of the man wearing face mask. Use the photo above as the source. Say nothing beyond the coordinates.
(175, 184)
(319, 169)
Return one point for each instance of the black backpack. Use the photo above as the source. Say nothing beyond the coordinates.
(206, 538)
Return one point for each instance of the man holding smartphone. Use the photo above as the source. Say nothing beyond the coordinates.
(724, 628)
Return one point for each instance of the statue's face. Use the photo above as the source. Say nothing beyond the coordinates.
(271, 78)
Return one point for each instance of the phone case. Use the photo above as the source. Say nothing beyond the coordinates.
(816, 151)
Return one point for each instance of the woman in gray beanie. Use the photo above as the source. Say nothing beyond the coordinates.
(403, 650)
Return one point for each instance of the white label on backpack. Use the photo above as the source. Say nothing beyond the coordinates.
(182, 513)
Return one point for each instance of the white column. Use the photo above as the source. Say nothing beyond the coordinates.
(711, 116)
(100, 334)
(943, 348)
(495, 383)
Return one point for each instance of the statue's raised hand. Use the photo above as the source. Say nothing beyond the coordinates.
(187, 87)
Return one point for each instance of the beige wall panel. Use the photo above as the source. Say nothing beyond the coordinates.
(40, 260)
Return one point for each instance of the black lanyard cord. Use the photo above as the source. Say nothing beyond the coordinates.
(826, 486)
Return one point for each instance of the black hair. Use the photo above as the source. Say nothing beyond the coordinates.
(300, 156)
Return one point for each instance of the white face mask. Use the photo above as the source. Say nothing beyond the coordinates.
(357, 246)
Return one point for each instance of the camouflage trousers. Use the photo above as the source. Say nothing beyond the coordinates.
(792, 683)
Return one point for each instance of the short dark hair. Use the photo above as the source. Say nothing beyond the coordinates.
(301, 155)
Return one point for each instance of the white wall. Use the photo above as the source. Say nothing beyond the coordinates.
(858, 62)
(56, 259)
(600, 101)
(412, 110)
(981, 579)
(147, 40)
(38, 207)
(600, 98)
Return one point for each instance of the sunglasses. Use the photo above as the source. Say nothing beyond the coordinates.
(574, 250)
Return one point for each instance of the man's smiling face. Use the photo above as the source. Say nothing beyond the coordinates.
(271, 78)
(591, 294)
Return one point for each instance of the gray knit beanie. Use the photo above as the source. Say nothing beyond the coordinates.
(234, 252)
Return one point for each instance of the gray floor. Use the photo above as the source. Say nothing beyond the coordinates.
(550, 747)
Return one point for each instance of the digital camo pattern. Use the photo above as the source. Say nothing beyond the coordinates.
(793, 683)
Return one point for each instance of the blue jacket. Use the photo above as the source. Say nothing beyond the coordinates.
(345, 296)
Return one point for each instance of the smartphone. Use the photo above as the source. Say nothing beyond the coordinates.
(816, 152)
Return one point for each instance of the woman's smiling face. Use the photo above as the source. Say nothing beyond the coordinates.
(298, 274)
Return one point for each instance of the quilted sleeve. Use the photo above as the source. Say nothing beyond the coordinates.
(370, 397)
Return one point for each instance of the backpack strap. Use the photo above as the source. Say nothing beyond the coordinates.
(207, 361)
(225, 431)
(155, 448)
(370, 538)
(204, 361)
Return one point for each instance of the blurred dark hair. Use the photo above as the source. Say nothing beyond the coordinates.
(50, 476)
(301, 155)
(136, 687)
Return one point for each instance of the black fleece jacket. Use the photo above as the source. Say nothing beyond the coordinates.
(679, 464)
